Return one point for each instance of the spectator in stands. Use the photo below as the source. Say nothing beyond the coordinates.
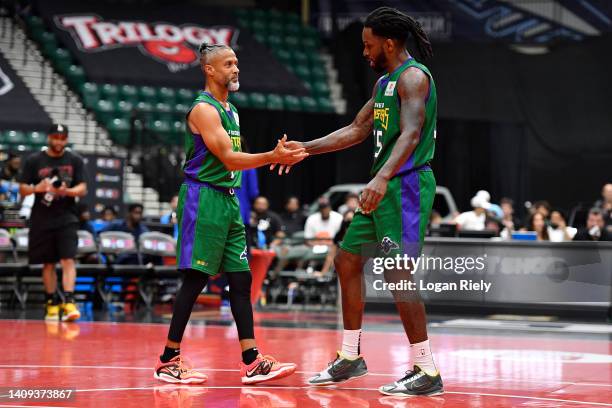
(323, 224)
(558, 231)
(509, 220)
(435, 219)
(474, 220)
(85, 219)
(266, 225)
(131, 224)
(542, 207)
(605, 205)
(9, 186)
(56, 176)
(351, 203)
(537, 223)
(109, 214)
(347, 218)
(170, 218)
(493, 224)
(595, 229)
(493, 209)
(292, 218)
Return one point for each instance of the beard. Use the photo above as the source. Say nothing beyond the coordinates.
(233, 86)
(379, 64)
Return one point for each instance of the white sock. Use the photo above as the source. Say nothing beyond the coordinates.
(420, 354)
(350, 344)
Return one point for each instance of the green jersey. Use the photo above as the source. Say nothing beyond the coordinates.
(203, 166)
(387, 121)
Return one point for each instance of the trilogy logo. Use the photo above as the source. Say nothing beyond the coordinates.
(176, 46)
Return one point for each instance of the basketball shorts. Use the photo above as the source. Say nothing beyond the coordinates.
(49, 246)
(398, 224)
(211, 232)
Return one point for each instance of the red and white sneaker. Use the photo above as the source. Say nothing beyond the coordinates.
(178, 370)
(265, 368)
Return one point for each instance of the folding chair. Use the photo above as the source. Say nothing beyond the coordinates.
(162, 245)
(10, 269)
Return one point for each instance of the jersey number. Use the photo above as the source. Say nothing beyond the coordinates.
(378, 136)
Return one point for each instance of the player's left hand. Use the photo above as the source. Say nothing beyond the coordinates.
(372, 194)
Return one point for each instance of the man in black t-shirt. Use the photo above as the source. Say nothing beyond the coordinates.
(56, 176)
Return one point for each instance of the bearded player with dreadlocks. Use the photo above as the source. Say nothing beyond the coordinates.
(396, 204)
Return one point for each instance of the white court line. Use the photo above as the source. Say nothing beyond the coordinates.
(304, 372)
(34, 406)
(279, 387)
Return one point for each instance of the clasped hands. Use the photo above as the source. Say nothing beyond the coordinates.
(286, 154)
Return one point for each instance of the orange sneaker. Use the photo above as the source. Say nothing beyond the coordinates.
(178, 370)
(70, 312)
(265, 368)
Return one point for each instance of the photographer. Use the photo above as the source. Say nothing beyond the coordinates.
(56, 176)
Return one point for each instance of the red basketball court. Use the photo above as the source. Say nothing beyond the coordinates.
(111, 364)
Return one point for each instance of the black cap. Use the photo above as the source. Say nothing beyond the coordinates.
(58, 128)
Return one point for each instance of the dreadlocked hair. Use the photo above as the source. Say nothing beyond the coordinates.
(392, 23)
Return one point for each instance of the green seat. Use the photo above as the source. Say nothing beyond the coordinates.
(178, 128)
(274, 102)
(110, 92)
(283, 56)
(274, 41)
(276, 28)
(14, 137)
(260, 37)
(302, 71)
(180, 110)
(309, 43)
(325, 105)
(185, 96)
(61, 59)
(309, 104)
(119, 130)
(36, 139)
(318, 74)
(48, 43)
(128, 93)
(162, 129)
(147, 94)
(292, 42)
(239, 99)
(242, 13)
(315, 60)
(166, 95)
(164, 111)
(257, 100)
(292, 29)
(90, 93)
(299, 57)
(35, 26)
(244, 22)
(320, 89)
(144, 108)
(104, 110)
(124, 109)
(292, 103)
(259, 26)
(76, 76)
(292, 18)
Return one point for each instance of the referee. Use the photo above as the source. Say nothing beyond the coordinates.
(56, 175)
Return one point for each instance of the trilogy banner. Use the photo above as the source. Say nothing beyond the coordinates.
(158, 44)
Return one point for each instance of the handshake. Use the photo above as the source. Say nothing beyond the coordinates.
(286, 154)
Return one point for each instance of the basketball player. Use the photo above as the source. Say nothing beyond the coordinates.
(396, 204)
(211, 231)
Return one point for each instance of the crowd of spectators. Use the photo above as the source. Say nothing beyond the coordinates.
(542, 220)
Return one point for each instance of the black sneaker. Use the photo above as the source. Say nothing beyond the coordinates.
(416, 382)
(340, 370)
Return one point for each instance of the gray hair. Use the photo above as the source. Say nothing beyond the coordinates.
(207, 51)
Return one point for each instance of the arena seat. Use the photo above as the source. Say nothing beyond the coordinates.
(274, 102)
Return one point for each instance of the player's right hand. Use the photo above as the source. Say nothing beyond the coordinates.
(288, 155)
(285, 168)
